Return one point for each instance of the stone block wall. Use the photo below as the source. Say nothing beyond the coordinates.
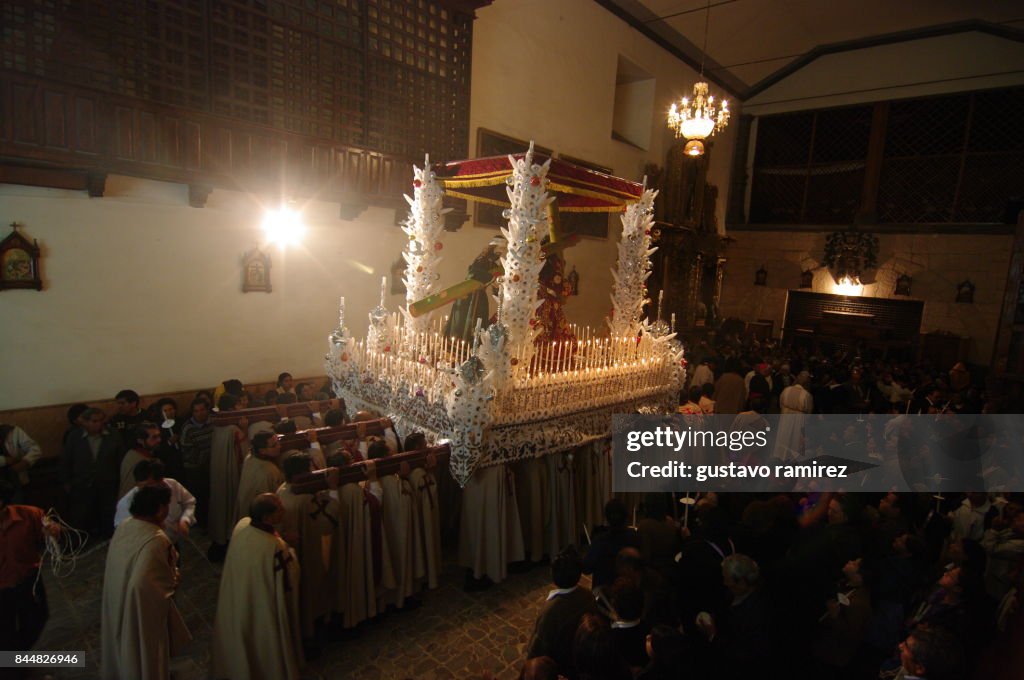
(937, 264)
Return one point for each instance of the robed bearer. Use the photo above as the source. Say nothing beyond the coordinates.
(140, 627)
(260, 471)
(310, 526)
(257, 632)
(227, 450)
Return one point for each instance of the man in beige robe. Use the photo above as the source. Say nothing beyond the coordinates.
(362, 560)
(227, 446)
(401, 530)
(424, 483)
(532, 496)
(260, 471)
(593, 483)
(490, 533)
(310, 525)
(562, 526)
(140, 627)
(147, 438)
(257, 632)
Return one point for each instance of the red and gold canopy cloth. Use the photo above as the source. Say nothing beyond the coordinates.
(578, 189)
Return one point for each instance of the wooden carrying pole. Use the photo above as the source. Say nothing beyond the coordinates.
(356, 472)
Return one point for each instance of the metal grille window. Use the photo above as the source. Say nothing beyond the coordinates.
(809, 167)
(952, 159)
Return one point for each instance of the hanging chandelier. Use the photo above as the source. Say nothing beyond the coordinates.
(701, 117)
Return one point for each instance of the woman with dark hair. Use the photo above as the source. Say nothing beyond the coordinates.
(285, 383)
(304, 392)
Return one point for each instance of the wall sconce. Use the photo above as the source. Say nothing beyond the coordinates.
(807, 279)
(761, 277)
(903, 282)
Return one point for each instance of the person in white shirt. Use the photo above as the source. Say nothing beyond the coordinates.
(18, 452)
(704, 373)
(182, 513)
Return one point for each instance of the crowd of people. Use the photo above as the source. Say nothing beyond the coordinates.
(300, 566)
(800, 585)
(833, 585)
(746, 585)
(740, 373)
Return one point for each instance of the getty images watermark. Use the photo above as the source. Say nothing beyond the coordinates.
(796, 452)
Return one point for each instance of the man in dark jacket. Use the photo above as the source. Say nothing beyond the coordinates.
(608, 541)
(566, 604)
(90, 468)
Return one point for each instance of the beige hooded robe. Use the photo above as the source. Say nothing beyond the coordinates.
(256, 634)
(425, 486)
(226, 445)
(533, 500)
(593, 483)
(562, 528)
(140, 626)
(360, 592)
(490, 533)
(259, 475)
(401, 527)
(313, 520)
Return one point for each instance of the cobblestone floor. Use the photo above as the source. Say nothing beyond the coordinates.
(454, 634)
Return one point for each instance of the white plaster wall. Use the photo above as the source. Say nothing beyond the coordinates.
(917, 68)
(633, 104)
(545, 70)
(143, 291)
(935, 263)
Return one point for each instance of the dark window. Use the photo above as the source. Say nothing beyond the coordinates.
(944, 160)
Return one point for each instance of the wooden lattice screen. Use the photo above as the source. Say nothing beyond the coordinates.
(953, 159)
(385, 77)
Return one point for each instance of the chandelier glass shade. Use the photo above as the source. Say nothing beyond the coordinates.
(700, 117)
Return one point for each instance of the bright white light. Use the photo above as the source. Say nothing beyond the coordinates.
(848, 286)
(698, 128)
(284, 227)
